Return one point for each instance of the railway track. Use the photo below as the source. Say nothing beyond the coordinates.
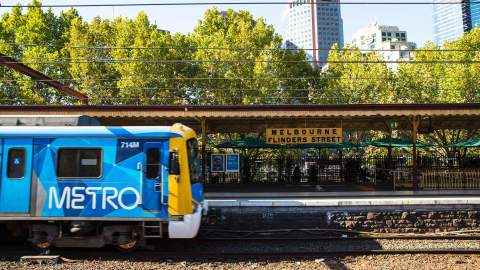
(76, 256)
(148, 256)
(241, 249)
(322, 234)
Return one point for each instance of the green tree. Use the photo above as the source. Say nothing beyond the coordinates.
(355, 77)
(146, 79)
(248, 71)
(132, 61)
(126, 61)
(35, 26)
(89, 47)
(443, 75)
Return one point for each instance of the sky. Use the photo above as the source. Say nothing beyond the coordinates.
(415, 19)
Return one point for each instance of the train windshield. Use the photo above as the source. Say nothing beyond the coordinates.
(193, 160)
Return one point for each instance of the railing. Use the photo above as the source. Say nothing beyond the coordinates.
(433, 172)
(224, 178)
(444, 179)
(438, 179)
(402, 178)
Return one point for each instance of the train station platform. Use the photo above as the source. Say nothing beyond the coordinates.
(330, 213)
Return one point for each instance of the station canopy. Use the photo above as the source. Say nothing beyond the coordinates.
(257, 118)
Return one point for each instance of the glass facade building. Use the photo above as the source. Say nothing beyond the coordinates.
(450, 21)
(315, 25)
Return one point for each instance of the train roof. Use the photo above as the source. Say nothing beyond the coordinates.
(87, 131)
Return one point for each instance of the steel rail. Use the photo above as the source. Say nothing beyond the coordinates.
(152, 256)
(310, 254)
(200, 250)
(350, 238)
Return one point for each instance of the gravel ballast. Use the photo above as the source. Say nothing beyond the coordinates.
(314, 254)
(360, 262)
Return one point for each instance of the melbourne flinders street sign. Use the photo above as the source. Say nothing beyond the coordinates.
(304, 135)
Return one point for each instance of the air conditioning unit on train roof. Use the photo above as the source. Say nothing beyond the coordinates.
(48, 120)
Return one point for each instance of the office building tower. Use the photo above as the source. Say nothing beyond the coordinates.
(450, 21)
(314, 25)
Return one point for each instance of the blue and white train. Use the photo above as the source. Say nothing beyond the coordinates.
(94, 185)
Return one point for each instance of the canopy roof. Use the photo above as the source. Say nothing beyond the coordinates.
(396, 143)
(256, 118)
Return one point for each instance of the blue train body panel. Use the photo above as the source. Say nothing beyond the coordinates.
(15, 192)
(122, 190)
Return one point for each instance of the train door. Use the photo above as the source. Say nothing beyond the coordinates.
(155, 174)
(16, 176)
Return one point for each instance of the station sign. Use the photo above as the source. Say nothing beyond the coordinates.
(217, 163)
(232, 162)
(225, 163)
(304, 135)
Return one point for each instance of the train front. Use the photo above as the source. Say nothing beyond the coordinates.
(185, 191)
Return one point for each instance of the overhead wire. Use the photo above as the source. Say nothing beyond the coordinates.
(170, 101)
(89, 47)
(133, 78)
(168, 78)
(73, 60)
(325, 100)
(177, 61)
(280, 91)
(218, 3)
(198, 89)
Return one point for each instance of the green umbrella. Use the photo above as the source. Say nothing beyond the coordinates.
(246, 143)
(473, 142)
(324, 145)
(397, 143)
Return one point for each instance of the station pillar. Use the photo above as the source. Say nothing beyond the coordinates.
(204, 148)
(389, 148)
(415, 122)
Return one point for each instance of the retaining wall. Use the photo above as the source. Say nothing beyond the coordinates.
(384, 220)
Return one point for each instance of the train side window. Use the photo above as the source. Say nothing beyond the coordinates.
(79, 163)
(16, 163)
(153, 163)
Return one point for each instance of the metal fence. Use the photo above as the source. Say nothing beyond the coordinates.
(444, 179)
(396, 172)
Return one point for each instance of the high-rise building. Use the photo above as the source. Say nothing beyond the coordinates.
(450, 21)
(389, 41)
(314, 25)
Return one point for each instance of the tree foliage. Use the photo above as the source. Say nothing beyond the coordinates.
(19, 31)
(356, 77)
(255, 68)
(132, 61)
(229, 58)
